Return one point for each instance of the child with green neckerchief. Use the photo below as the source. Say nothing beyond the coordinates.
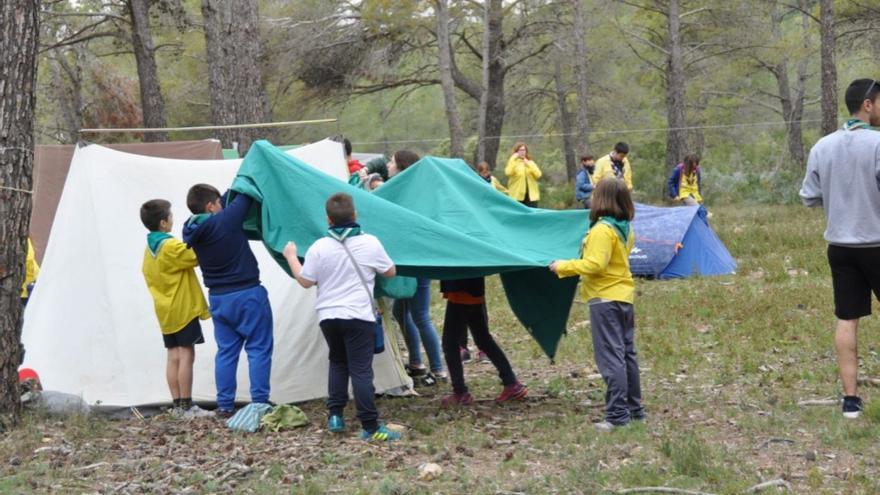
(168, 269)
(607, 284)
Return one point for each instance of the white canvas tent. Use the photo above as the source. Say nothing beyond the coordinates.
(90, 328)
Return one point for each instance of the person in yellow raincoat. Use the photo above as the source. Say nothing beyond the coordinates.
(522, 176)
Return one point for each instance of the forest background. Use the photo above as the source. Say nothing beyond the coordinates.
(741, 83)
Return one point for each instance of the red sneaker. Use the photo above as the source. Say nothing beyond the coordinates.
(516, 391)
(465, 399)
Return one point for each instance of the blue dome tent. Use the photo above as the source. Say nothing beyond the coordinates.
(677, 243)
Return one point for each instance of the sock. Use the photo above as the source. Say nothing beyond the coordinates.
(186, 403)
(176, 402)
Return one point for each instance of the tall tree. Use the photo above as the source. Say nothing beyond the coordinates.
(689, 36)
(152, 103)
(235, 77)
(565, 121)
(491, 120)
(444, 52)
(18, 73)
(676, 86)
(580, 77)
(829, 67)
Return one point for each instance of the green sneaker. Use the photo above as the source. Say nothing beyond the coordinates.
(336, 424)
(382, 434)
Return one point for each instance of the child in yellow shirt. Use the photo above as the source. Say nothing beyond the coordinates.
(607, 284)
(178, 301)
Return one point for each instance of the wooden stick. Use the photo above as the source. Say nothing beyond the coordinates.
(869, 381)
(210, 127)
(662, 489)
(769, 484)
(819, 402)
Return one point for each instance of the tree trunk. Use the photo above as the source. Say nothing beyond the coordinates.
(251, 98)
(795, 127)
(580, 76)
(235, 76)
(676, 134)
(491, 120)
(67, 85)
(565, 120)
(218, 22)
(456, 135)
(18, 76)
(829, 69)
(152, 104)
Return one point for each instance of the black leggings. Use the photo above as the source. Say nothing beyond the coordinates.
(455, 326)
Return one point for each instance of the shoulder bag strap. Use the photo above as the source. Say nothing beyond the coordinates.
(360, 275)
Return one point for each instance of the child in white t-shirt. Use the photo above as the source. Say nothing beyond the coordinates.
(345, 310)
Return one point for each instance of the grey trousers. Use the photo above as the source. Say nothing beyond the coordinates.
(613, 328)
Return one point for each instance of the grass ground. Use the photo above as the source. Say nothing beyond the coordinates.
(724, 362)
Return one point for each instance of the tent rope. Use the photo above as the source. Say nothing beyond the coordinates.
(7, 188)
(211, 127)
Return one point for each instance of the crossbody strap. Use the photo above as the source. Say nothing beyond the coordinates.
(360, 275)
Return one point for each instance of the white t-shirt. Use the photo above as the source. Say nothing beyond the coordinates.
(340, 291)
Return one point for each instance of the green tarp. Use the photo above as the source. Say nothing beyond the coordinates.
(437, 219)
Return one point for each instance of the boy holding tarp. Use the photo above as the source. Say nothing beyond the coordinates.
(344, 266)
(239, 303)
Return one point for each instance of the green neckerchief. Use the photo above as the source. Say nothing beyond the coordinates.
(344, 231)
(620, 226)
(198, 219)
(853, 124)
(155, 240)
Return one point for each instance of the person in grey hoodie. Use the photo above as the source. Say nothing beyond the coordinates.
(843, 176)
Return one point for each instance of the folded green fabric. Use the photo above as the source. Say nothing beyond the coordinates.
(284, 416)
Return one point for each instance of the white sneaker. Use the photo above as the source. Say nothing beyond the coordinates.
(197, 412)
(605, 426)
(176, 412)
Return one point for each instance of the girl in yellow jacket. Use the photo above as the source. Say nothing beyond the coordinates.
(607, 284)
(522, 176)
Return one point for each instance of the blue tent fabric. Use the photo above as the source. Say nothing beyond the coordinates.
(677, 243)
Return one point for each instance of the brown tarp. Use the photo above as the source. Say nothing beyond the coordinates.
(51, 163)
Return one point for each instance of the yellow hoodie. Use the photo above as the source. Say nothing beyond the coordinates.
(522, 173)
(604, 266)
(177, 295)
(31, 269)
(604, 169)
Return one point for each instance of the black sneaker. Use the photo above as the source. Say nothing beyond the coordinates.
(852, 406)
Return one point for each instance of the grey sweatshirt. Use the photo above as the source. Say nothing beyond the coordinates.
(843, 176)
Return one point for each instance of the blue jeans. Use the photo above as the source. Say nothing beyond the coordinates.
(242, 318)
(414, 317)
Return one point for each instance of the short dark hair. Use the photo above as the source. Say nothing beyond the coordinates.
(200, 195)
(347, 144)
(340, 209)
(405, 158)
(153, 212)
(587, 157)
(611, 198)
(859, 91)
(621, 147)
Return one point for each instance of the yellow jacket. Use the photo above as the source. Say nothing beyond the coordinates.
(31, 269)
(604, 266)
(603, 169)
(177, 295)
(522, 173)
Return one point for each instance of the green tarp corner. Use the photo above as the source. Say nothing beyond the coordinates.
(437, 219)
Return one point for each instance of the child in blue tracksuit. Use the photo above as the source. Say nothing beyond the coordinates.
(583, 184)
(239, 304)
